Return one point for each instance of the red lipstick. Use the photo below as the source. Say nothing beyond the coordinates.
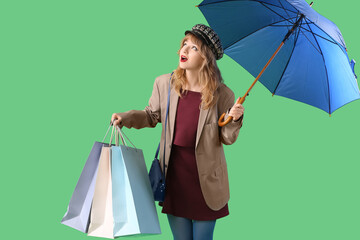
(183, 58)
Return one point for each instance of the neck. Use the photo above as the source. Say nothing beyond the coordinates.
(192, 80)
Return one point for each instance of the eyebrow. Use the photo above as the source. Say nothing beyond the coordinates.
(193, 43)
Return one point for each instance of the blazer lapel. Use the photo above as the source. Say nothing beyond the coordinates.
(174, 98)
(201, 123)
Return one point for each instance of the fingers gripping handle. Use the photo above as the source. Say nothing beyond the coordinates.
(221, 121)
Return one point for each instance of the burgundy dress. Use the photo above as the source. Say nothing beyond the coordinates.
(183, 197)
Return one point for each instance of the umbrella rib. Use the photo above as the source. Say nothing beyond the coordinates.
(334, 42)
(296, 38)
(322, 55)
(284, 9)
(276, 13)
(248, 1)
(279, 25)
(319, 51)
(275, 6)
(253, 33)
(287, 19)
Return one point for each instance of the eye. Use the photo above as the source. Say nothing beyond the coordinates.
(195, 48)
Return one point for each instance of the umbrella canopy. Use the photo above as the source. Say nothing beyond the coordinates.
(311, 67)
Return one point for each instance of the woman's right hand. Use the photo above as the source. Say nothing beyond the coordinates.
(116, 119)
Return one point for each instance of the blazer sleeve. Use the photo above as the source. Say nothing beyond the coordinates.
(148, 117)
(230, 132)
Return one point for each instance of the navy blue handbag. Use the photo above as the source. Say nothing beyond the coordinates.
(157, 177)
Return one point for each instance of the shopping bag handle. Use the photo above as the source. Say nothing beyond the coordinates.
(112, 134)
(117, 135)
(106, 133)
(122, 133)
(118, 132)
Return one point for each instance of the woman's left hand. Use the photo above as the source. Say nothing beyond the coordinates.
(236, 111)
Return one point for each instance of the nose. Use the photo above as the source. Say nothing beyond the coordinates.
(185, 50)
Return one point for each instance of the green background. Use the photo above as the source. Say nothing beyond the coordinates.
(66, 66)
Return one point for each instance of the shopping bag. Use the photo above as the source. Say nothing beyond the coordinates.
(102, 221)
(136, 212)
(101, 218)
(123, 205)
(78, 210)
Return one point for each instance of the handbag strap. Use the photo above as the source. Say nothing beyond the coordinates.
(167, 111)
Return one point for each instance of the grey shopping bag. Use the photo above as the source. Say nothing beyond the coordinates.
(77, 215)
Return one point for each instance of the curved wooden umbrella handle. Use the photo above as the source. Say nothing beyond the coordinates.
(229, 119)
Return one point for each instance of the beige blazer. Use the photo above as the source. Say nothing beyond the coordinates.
(209, 152)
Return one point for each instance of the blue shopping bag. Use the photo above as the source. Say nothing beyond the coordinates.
(134, 208)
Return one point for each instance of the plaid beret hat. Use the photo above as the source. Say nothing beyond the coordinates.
(209, 37)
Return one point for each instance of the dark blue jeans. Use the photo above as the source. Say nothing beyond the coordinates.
(187, 229)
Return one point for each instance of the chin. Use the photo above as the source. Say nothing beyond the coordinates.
(182, 67)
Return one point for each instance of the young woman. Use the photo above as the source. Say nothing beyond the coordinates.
(197, 187)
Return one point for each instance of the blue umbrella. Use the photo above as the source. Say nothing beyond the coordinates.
(308, 56)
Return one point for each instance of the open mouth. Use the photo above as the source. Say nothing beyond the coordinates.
(183, 58)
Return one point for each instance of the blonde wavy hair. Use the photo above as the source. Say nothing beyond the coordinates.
(209, 75)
